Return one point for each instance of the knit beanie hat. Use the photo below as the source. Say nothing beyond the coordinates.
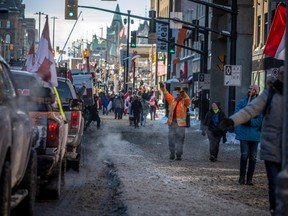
(256, 87)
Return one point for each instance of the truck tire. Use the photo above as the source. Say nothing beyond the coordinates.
(76, 163)
(63, 171)
(54, 186)
(5, 189)
(29, 182)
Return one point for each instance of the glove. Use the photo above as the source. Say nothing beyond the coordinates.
(226, 123)
(203, 133)
(178, 88)
(161, 83)
(182, 93)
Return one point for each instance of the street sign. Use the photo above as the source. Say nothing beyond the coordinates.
(232, 75)
(152, 38)
(204, 81)
(162, 33)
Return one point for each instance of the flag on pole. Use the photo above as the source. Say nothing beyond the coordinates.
(275, 44)
(30, 60)
(45, 66)
(122, 33)
(126, 101)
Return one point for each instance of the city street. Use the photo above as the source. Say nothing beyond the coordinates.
(127, 171)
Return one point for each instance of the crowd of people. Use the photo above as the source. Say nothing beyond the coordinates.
(257, 119)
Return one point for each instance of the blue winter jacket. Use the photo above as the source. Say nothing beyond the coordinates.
(252, 130)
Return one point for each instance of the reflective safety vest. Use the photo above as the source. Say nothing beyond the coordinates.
(181, 109)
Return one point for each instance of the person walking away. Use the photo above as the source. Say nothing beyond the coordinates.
(211, 126)
(94, 114)
(136, 108)
(270, 103)
(248, 134)
(130, 113)
(176, 120)
(105, 103)
(153, 106)
(144, 112)
(117, 106)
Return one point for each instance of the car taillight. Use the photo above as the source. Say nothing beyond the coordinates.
(74, 122)
(52, 134)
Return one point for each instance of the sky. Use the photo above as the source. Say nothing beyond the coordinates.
(91, 21)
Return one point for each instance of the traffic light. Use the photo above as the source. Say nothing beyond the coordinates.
(222, 59)
(71, 9)
(133, 39)
(172, 45)
(85, 53)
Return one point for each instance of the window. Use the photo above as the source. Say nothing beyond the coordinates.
(8, 39)
(265, 27)
(7, 84)
(8, 24)
(258, 30)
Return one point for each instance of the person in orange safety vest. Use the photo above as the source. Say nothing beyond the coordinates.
(176, 120)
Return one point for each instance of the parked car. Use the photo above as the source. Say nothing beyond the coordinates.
(18, 160)
(50, 129)
(72, 107)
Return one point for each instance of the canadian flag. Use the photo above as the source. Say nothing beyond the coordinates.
(30, 60)
(122, 33)
(275, 44)
(152, 100)
(44, 65)
(126, 101)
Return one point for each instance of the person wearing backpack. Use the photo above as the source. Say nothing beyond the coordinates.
(248, 134)
(270, 103)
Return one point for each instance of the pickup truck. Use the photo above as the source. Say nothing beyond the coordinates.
(50, 130)
(18, 160)
(73, 108)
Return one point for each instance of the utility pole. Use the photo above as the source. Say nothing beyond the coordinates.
(127, 50)
(39, 13)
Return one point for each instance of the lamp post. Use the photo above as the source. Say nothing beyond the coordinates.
(127, 50)
(39, 13)
(134, 67)
(53, 31)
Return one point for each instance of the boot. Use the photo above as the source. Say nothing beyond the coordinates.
(243, 164)
(250, 172)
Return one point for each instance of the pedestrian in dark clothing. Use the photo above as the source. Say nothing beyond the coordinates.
(249, 136)
(176, 120)
(94, 114)
(136, 108)
(105, 103)
(270, 103)
(211, 126)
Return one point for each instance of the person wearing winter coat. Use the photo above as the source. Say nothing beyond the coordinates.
(176, 120)
(136, 108)
(249, 136)
(144, 112)
(105, 103)
(270, 103)
(118, 105)
(211, 126)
